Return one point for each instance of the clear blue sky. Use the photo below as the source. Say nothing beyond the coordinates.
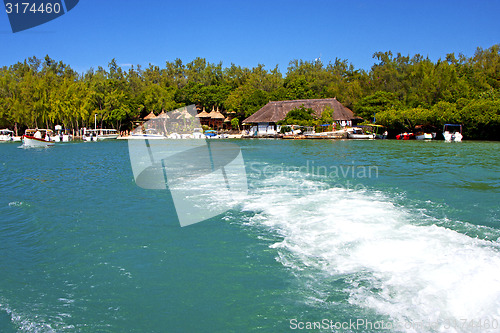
(249, 32)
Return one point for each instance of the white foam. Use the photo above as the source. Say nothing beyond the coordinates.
(16, 204)
(24, 322)
(398, 266)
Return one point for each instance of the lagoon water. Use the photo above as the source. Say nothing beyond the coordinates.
(400, 234)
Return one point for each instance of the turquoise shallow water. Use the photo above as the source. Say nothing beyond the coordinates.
(400, 232)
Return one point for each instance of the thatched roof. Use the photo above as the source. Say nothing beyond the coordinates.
(216, 114)
(151, 115)
(203, 114)
(273, 112)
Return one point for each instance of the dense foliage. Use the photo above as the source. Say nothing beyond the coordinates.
(399, 92)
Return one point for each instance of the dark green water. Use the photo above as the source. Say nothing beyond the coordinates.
(399, 232)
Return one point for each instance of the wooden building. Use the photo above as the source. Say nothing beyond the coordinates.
(265, 121)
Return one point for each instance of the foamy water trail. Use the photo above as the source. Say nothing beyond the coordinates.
(26, 322)
(398, 265)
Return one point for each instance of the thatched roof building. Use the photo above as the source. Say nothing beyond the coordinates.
(273, 112)
(216, 114)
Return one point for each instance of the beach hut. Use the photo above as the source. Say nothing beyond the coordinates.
(216, 118)
(204, 117)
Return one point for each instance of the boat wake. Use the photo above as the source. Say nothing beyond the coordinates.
(392, 260)
(25, 322)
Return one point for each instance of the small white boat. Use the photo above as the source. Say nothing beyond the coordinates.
(6, 135)
(423, 136)
(198, 133)
(357, 133)
(150, 134)
(41, 138)
(100, 134)
(452, 132)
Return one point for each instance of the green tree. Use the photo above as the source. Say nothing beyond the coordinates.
(369, 106)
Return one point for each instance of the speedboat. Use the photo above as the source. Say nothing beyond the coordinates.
(452, 132)
(6, 135)
(40, 138)
(357, 133)
(100, 134)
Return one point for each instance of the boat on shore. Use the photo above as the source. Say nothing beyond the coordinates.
(452, 132)
(37, 138)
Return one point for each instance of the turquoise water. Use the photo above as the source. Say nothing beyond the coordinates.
(401, 232)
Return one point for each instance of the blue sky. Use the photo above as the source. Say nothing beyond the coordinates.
(250, 32)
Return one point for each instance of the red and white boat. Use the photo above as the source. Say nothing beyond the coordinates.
(405, 136)
(41, 138)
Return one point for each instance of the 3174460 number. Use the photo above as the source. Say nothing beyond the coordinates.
(27, 7)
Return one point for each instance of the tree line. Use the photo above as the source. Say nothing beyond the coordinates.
(399, 91)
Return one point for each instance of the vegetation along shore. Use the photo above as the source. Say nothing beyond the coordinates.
(399, 92)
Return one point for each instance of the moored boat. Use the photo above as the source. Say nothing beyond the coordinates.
(149, 134)
(424, 136)
(452, 132)
(198, 133)
(376, 130)
(62, 135)
(99, 134)
(6, 135)
(358, 133)
(405, 136)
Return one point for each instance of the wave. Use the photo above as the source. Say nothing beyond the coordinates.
(392, 260)
(24, 322)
